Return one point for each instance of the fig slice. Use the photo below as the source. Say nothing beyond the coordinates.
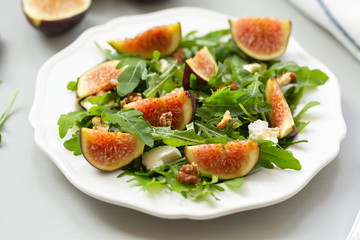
(280, 115)
(202, 65)
(232, 160)
(165, 39)
(261, 38)
(101, 78)
(181, 105)
(109, 151)
(55, 16)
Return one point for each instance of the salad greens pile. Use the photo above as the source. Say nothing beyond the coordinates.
(246, 104)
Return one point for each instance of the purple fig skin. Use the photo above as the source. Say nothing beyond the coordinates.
(193, 101)
(186, 78)
(293, 133)
(59, 26)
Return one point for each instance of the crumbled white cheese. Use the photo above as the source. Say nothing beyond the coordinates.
(177, 90)
(164, 65)
(159, 156)
(259, 130)
(253, 67)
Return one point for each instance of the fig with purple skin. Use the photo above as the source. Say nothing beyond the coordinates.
(181, 105)
(109, 151)
(54, 16)
(280, 115)
(165, 39)
(261, 38)
(101, 78)
(202, 65)
(232, 160)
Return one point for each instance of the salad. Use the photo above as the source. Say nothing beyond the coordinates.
(192, 112)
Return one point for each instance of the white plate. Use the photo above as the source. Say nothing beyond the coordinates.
(267, 187)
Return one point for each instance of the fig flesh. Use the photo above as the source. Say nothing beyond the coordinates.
(55, 16)
(280, 115)
(109, 151)
(101, 78)
(260, 38)
(165, 39)
(232, 160)
(202, 65)
(181, 105)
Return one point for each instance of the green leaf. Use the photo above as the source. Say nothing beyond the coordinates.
(73, 144)
(131, 121)
(220, 101)
(210, 39)
(156, 55)
(301, 125)
(311, 77)
(158, 81)
(72, 86)
(305, 108)
(280, 157)
(103, 99)
(177, 138)
(235, 183)
(8, 109)
(67, 121)
(129, 79)
(107, 53)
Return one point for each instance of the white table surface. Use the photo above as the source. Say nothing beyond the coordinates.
(38, 202)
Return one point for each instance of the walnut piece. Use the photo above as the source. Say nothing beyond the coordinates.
(99, 124)
(188, 174)
(225, 120)
(131, 97)
(232, 85)
(286, 78)
(165, 119)
(179, 55)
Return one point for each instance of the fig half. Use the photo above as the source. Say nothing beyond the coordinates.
(101, 78)
(202, 65)
(280, 115)
(261, 38)
(181, 106)
(232, 160)
(109, 151)
(165, 39)
(55, 16)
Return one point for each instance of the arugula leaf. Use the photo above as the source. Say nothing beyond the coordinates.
(166, 176)
(235, 183)
(220, 101)
(73, 144)
(130, 78)
(7, 111)
(269, 154)
(103, 99)
(131, 121)
(311, 78)
(305, 108)
(67, 121)
(210, 39)
(72, 86)
(106, 52)
(177, 138)
(157, 81)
